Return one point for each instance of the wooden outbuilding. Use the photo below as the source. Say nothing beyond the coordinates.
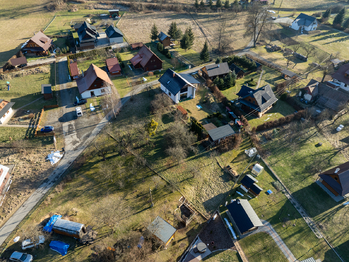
(162, 231)
(146, 60)
(46, 90)
(69, 228)
(113, 66)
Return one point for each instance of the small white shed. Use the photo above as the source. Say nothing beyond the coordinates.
(257, 169)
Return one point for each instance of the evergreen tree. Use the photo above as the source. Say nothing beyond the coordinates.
(219, 4)
(160, 47)
(226, 4)
(196, 4)
(190, 33)
(229, 81)
(218, 60)
(205, 55)
(326, 15)
(210, 3)
(202, 4)
(172, 30)
(338, 20)
(185, 42)
(154, 32)
(346, 24)
(178, 34)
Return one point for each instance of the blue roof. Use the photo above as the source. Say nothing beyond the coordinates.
(173, 82)
(304, 19)
(244, 91)
(248, 181)
(112, 31)
(162, 36)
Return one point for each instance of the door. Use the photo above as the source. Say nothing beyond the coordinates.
(92, 93)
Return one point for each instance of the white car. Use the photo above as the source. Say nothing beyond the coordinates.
(78, 111)
(29, 244)
(271, 11)
(21, 257)
(339, 128)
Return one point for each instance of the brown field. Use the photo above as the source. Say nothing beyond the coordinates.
(18, 21)
(136, 27)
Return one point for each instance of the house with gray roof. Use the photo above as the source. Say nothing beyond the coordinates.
(114, 35)
(87, 36)
(162, 230)
(5, 110)
(218, 134)
(243, 217)
(258, 101)
(304, 22)
(176, 86)
(165, 39)
(215, 70)
(336, 179)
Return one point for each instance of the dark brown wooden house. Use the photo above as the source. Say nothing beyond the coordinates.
(215, 70)
(336, 179)
(39, 44)
(113, 66)
(165, 39)
(146, 60)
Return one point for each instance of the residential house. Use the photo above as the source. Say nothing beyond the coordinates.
(258, 101)
(240, 73)
(74, 70)
(114, 35)
(5, 110)
(113, 66)
(76, 26)
(341, 77)
(219, 134)
(331, 98)
(250, 184)
(304, 22)
(176, 86)
(4, 177)
(310, 91)
(336, 179)
(19, 61)
(94, 82)
(46, 90)
(162, 231)
(243, 217)
(165, 39)
(39, 44)
(215, 70)
(146, 60)
(87, 36)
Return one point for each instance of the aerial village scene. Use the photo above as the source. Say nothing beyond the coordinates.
(174, 130)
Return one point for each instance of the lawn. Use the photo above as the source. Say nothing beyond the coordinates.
(190, 55)
(222, 256)
(8, 134)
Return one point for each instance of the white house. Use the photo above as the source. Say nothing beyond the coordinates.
(114, 35)
(304, 22)
(94, 82)
(5, 110)
(341, 77)
(176, 86)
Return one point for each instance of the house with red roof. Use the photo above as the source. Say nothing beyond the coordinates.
(74, 70)
(94, 82)
(146, 60)
(113, 66)
(39, 44)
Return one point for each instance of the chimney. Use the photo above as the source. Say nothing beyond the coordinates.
(337, 170)
(174, 74)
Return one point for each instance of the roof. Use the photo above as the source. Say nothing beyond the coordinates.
(87, 27)
(248, 181)
(42, 40)
(137, 45)
(235, 68)
(74, 70)
(217, 69)
(190, 78)
(6, 107)
(173, 82)
(243, 214)
(112, 31)
(288, 73)
(18, 61)
(46, 89)
(91, 74)
(258, 168)
(113, 64)
(69, 226)
(161, 229)
(221, 132)
(331, 98)
(340, 74)
(3, 173)
(311, 259)
(264, 97)
(312, 88)
(342, 188)
(256, 189)
(209, 126)
(304, 19)
(182, 110)
(162, 36)
(143, 56)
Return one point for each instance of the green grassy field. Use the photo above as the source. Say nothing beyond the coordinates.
(221, 256)
(15, 133)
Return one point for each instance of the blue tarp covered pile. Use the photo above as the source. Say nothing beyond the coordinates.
(49, 225)
(60, 247)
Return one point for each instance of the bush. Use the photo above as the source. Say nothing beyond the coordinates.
(160, 47)
(283, 97)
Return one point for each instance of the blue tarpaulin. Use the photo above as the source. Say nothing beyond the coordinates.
(49, 225)
(60, 247)
(269, 192)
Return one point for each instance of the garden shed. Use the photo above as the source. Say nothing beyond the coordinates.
(220, 133)
(257, 169)
(162, 230)
(69, 228)
(46, 90)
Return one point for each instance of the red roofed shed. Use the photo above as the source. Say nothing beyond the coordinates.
(113, 66)
(74, 70)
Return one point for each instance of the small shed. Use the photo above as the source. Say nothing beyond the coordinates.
(257, 169)
(46, 90)
(19, 61)
(300, 57)
(183, 111)
(114, 12)
(74, 70)
(209, 126)
(286, 74)
(162, 230)
(220, 133)
(113, 66)
(69, 228)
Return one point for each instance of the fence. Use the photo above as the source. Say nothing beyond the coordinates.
(50, 22)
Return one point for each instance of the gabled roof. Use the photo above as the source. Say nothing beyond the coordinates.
(331, 98)
(217, 69)
(66, 225)
(220, 132)
(162, 36)
(256, 189)
(264, 97)
(74, 70)
(18, 61)
(161, 229)
(288, 73)
(112, 31)
(91, 74)
(312, 88)
(190, 79)
(143, 56)
(248, 181)
(87, 27)
(42, 40)
(3, 173)
(304, 19)
(341, 186)
(243, 214)
(340, 74)
(5, 106)
(113, 64)
(173, 82)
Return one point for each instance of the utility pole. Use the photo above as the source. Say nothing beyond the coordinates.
(151, 198)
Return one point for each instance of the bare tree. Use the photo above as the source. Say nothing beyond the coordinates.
(161, 104)
(308, 49)
(110, 102)
(296, 47)
(270, 33)
(256, 21)
(222, 37)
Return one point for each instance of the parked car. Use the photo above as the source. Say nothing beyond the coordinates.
(339, 128)
(78, 111)
(271, 11)
(29, 244)
(21, 257)
(47, 129)
(81, 102)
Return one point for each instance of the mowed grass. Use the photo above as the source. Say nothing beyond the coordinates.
(297, 160)
(220, 256)
(8, 134)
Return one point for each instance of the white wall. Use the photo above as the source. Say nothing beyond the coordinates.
(97, 92)
(116, 40)
(176, 98)
(5, 116)
(311, 27)
(295, 25)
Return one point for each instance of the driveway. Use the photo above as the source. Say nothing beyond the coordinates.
(283, 20)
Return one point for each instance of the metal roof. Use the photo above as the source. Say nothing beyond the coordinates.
(161, 229)
(209, 126)
(46, 89)
(74, 70)
(190, 78)
(67, 226)
(91, 74)
(112, 31)
(113, 64)
(162, 36)
(217, 69)
(288, 73)
(143, 56)
(221, 132)
(173, 82)
(248, 181)
(6, 107)
(304, 19)
(311, 259)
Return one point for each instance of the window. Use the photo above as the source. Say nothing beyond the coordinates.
(183, 90)
(102, 91)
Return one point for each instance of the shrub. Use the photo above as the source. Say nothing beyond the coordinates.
(160, 47)
(283, 97)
